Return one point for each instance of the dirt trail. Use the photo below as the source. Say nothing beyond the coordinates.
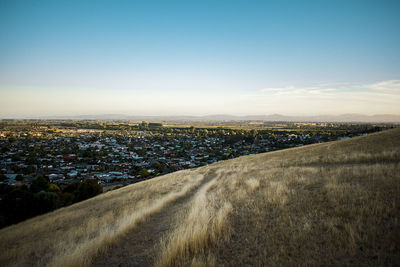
(137, 248)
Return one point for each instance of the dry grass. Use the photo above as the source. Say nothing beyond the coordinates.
(319, 216)
(330, 204)
(336, 203)
(72, 236)
(344, 208)
(198, 228)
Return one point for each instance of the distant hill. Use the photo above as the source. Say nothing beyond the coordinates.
(386, 118)
(336, 203)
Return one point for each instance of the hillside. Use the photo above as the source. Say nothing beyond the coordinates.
(336, 203)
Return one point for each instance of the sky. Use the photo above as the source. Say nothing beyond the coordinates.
(247, 57)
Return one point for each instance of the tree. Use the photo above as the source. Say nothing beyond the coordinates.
(17, 205)
(46, 201)
(144, 173)
(39, 184)
(31, 160)
(54, 188)
(2, 177)
(253, 132)
(71, 188)
(29, 169)
(19, 178)
(88, 189)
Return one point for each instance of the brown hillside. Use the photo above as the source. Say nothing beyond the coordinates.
(335, 203)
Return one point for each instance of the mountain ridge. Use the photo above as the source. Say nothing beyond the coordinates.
(348, 117)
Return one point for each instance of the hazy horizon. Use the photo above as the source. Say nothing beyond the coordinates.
(180, 58)
(342, 118)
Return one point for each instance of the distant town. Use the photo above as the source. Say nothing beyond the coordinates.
(58, 157)
(68, 152)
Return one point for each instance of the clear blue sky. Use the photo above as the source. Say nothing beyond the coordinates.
(243, 57)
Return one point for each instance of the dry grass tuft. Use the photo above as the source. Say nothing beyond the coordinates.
(252, 183)
(204, 225)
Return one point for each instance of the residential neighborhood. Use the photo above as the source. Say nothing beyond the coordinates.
(67, 156)
(46, 165)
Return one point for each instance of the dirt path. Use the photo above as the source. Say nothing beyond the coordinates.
(137, 248)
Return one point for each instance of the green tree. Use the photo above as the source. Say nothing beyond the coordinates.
(253, 132)
(47, 201)
(54, 188)
(144, 173)
(39, 184)
(88, 189)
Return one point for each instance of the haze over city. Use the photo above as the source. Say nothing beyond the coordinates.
(61, 58)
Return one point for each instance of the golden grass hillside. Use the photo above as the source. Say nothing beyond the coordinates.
(336, 203)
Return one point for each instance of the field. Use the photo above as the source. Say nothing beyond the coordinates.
(336, 203)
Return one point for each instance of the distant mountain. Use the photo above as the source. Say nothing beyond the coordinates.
(225, 117)
(328, 118)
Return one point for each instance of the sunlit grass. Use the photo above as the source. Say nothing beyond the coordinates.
(72, 236)
(335, 203)
(328, 204)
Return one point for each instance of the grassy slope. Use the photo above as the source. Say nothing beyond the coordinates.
(71, 236)
(325, 204)
(331, 203)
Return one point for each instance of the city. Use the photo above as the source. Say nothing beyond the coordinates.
(120, 157)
